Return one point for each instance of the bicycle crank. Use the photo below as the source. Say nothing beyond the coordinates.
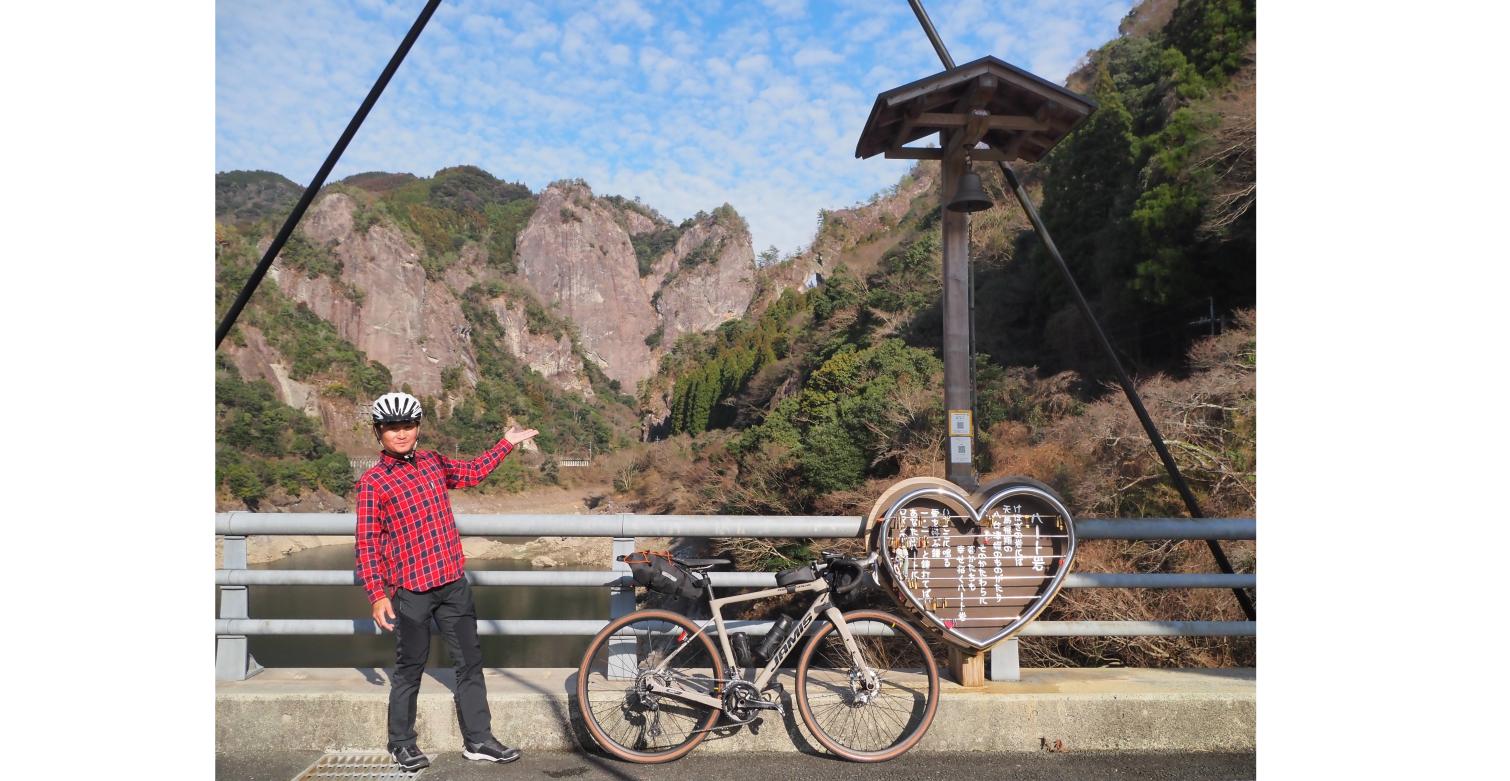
(743, 702)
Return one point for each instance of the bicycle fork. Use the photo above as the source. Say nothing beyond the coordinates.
(865, 680)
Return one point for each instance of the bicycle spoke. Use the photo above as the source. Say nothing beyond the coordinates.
(631, 719)
(867, 709)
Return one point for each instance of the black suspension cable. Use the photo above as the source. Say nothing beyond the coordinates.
(330, 162)
(933, 34)
(1127, 386)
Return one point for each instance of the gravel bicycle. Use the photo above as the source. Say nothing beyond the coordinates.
(652, 684)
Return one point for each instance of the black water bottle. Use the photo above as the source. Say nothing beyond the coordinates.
(774, 637)
(743, 656)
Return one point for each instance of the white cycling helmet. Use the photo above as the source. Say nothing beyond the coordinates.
(396, 408)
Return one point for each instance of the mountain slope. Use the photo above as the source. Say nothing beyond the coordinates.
(475, 294)
(1153, 203)
(553, 308)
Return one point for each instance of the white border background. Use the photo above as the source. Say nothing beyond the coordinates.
(1382, 423)
(107, 315)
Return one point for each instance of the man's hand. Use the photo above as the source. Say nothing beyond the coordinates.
(382, 613)
(515, 434)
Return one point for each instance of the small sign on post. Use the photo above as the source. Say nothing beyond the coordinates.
(961, 437)
(959, 450)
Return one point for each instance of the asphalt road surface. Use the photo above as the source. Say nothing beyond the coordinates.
(451, 766)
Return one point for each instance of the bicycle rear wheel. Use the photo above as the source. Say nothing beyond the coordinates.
(861, 717)
(626, 719)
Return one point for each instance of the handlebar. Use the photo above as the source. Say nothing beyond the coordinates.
(862, 567)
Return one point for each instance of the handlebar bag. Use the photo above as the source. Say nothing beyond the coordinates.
(806, 573)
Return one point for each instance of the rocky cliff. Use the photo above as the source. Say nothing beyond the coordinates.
(857, 236)
(578, 256)
(579, 260)
(395, 267)
(382, 301)
(551, 356)
(708, 277)
(342, 420)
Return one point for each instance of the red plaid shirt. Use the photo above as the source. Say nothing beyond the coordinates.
(406, 534)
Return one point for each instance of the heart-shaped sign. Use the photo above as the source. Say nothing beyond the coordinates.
(976, 568)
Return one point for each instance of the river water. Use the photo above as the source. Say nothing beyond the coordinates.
(493, 602)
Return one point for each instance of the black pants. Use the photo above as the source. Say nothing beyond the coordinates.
(451, 605)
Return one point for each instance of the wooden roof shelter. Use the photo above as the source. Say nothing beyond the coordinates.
(1021, 116)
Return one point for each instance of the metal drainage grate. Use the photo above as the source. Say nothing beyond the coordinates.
(370, 765)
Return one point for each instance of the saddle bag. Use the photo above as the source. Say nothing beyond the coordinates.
(657, 571)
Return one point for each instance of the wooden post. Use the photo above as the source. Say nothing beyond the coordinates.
(968, 666)
(958, 390)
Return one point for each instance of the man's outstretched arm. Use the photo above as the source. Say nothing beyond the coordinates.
(465, 474)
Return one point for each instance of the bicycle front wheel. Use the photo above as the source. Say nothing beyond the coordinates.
(874, 714)
(627, 719)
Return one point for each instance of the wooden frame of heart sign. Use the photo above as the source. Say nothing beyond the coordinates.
(976, 576)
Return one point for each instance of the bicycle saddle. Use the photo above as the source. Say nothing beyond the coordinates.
(700, 565)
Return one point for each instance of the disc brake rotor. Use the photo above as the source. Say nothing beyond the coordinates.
(864, 686)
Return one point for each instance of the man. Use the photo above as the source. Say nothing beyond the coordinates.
(409, 560)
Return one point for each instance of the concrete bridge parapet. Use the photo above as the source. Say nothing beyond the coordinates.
(1055, 709)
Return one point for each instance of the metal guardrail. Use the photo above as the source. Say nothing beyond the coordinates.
(611, 579)
(232, 628)
(581, 627)
(632, 525)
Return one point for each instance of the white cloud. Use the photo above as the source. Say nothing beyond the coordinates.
(783, 96)
(742, 36)
(868, 29)
(485, 26)
(535, 36)
(815, 55)
(787, 9)
(658, 68)
(753, 102)
(754, 65)
(628, 11)
(1056, 51)
(580, 39)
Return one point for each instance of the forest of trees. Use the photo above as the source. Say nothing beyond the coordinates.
(1152, 204)
(261, 443)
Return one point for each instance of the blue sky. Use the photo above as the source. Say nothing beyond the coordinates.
(684, 104)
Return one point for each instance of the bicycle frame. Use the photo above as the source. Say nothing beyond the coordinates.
(823, 603)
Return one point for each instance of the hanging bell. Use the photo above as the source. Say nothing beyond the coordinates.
(968, 196)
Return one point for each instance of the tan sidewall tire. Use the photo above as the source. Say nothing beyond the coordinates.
(807, 714)
(582, 702)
